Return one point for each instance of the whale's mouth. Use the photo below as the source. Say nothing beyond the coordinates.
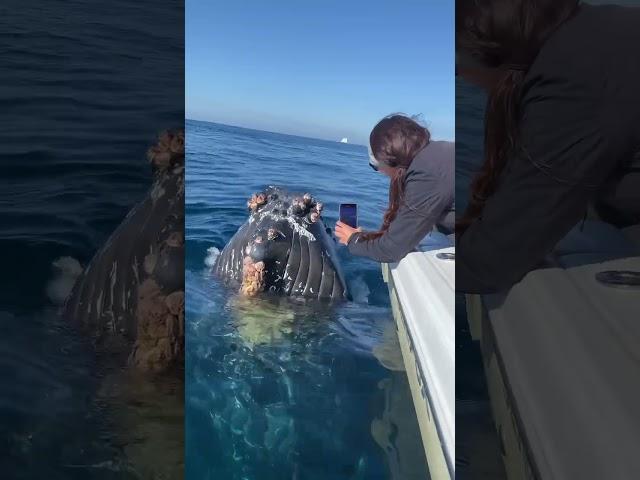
(283, 249)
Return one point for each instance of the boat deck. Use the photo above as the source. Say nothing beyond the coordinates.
(561, 358)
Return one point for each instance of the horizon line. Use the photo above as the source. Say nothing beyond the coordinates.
(271, 131)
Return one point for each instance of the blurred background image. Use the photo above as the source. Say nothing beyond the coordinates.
(87, 87)
(550, 261)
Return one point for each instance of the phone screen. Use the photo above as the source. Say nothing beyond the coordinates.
(349, 214)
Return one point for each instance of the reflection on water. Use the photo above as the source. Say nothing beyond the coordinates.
(280, 389)
(260, 321)
(107, 78)
(66, 414)
(395, 429)
(147, 421)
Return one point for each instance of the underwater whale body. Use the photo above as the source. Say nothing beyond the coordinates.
(283, 249)
(130, 298)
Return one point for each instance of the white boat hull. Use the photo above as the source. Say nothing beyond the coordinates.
(421, 289)
(561, 357)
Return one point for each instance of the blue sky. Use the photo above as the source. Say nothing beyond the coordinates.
(320, 68)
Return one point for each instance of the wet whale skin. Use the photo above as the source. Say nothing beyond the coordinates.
(299, 256)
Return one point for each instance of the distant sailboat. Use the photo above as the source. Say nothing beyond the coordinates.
(344, 140)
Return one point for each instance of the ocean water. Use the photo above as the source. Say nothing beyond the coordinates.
(477, 447)
(276, 389)
(84, 94)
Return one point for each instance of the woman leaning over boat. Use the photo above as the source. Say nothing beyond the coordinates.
(562, 129)
(421, 190)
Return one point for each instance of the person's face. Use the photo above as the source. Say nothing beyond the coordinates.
(383, 169)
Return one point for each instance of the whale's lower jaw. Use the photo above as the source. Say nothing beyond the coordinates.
(283, 249)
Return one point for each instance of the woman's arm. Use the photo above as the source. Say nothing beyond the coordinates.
(520, 224)
(426, 198)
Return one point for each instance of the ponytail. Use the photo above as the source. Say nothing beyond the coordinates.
(500, 139)
(507, 36)
(396, 197)
(395, 141)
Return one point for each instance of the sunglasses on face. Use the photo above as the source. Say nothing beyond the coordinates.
(373, 163)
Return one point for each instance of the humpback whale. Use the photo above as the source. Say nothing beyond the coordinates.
(283, 249)
(130, 297)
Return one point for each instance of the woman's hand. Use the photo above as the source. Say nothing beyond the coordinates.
(344, 232)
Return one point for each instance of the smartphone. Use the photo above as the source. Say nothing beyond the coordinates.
(349, 214)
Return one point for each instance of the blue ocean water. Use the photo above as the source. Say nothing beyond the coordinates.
(84, 94)
(275, 389)
(470, 102)
(477, 448)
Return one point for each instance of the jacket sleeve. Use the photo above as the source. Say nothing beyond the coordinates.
(568, 151)
(426, 198)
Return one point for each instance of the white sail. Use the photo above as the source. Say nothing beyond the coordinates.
(344, 140)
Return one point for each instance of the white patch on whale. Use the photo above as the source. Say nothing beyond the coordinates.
(113, 275)
(360, 290)
(212, 254)
(157, 192)
(299, 229)
(67, 271)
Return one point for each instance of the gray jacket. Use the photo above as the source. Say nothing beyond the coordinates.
(428, 203)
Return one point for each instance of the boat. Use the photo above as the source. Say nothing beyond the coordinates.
(560, 354)
(422, 293)
(344, 140)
